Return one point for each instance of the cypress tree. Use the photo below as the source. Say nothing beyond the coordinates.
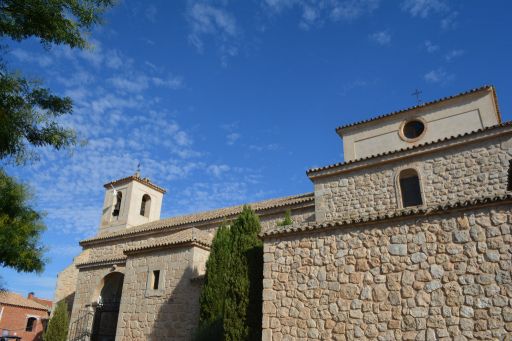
(58, 326)
(242, 308)
(215, 286)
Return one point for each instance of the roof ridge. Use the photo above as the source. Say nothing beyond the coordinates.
(391, 152)
(168, 222)
(442, 99)
(15, 299)
(383, 216)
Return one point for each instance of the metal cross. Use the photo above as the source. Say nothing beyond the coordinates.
(417, 93)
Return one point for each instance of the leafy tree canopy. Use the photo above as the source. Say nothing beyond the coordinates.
(29, 113)
(20, 227)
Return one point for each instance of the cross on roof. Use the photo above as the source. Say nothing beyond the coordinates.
(417, 93)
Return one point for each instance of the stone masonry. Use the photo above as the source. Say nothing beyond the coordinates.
(410, 241)
(441, 277)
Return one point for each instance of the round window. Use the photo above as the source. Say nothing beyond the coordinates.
(413, 129)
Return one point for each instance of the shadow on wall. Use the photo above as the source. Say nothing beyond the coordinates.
(69, 299)
(178, 317)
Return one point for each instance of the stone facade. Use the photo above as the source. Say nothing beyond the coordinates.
(440, 277)
(355, 263)
(178, 248)
(469, 169)
(170, 313)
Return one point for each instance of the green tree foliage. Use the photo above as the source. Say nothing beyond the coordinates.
(287, 219)
(51, 21)
(29, 113)
(20, 227)
(231, 301)
(215, 287)
(58, 326)
(28, 118)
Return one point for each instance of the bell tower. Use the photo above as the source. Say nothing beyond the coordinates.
(129, 202)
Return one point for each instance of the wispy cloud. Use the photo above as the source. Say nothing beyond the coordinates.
(218, 170)
(141, 82)
(454, 54)
(265, 147)
(382, 37)
(431, 47)
(150, 13)
(438, 76)
(208, 21)
(316, 12)
(450, 21)
(26, 57)
(231, 138)
(423, 8)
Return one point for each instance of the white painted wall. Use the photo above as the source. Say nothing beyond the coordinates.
(447, 118)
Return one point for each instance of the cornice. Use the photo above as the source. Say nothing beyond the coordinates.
(144, 181)
(101, 262)
(398, 214)
(427, 147)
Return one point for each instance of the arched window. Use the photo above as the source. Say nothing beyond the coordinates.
(145, 205)
(31, 323)
(410, 188)
(117, 207)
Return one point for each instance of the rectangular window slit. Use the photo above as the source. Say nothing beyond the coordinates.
(156, 279)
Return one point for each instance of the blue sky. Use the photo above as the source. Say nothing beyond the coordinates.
(228, 102)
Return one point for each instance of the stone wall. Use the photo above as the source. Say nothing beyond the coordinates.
(171, 313)
(466, 172)
(437, 277)
(66, 282)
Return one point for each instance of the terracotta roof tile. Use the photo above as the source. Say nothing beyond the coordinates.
(297, 228)
(11, 298)
(192, 235)
(475, 90)
(100, 262)
(418, 146)
(227, 212)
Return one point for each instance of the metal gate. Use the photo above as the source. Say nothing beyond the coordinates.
(105, 321)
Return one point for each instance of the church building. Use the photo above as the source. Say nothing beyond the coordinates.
(407, 239)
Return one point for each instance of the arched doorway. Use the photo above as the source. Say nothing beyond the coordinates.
(107, 308)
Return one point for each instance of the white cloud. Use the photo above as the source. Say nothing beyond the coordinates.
(316, 12)
(114, 59)
(267, 147)
(171, 82)
(26, 57)
(207, 20)
(438, 76)
(136, 84)
(431, 47)
(450, 21)
(218, 170)
(382, 38)
(150, 13)
(423, 8)
(454, 54)
(232, 138)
